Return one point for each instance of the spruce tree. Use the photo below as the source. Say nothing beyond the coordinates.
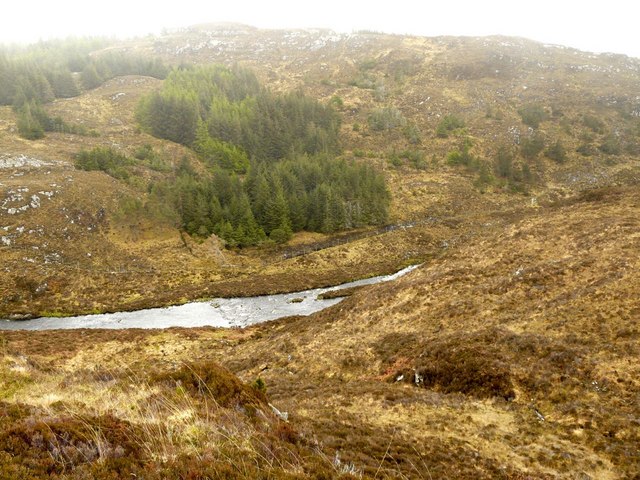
(90, 77)
(28, 125)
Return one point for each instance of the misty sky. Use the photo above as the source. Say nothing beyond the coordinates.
(606, 26)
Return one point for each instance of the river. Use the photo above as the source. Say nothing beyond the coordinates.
(218, 312)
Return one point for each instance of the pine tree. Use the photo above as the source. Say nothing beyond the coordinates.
(503, 163)
(90, 77)
(225, 231)
(28, 126)
(257, 186)
(63, 84)
(297, 203)
(276, 214)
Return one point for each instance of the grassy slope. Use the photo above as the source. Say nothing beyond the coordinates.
(522, 326)
(137, 261)
(79, 251)
(140, 419)
(526, 340)
(543, 314)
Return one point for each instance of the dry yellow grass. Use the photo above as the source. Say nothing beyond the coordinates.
(549, 301)
(521, 329)
(99, 413)
(424, 78)
(551, 296)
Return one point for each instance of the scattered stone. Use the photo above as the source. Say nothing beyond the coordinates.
(284, 416)
(22, 161)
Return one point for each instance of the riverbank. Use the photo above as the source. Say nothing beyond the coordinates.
(218, 312)
(63, 291)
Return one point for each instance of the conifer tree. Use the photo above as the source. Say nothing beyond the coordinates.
(28, 125)
(63, 84)
(276, 214)
(90, 77)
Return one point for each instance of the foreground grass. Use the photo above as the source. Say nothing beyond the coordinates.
(186, 420)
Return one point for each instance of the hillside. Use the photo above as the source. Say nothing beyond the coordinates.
(509, 103)
(511, 352)
(513, 356)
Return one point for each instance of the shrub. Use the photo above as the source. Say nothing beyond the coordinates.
(380, 92)
(456, 157)
(337, 101)
(484, 176)
(53, 446)
(207, 378)
(494, 113)
(145, 152)
(28, 127)
(105, 159)
(467, 370)
(412, 133)
(594, 123)
(463, 157)
(586, 150)
(533, 114)
(504, 162)
(281, 234)
(395, 159)
(415, 157)
(364, 80)
(368, 64)
(57, 124)
(448, 124)
(532, 146)
(386, 118)
(33, 121)
(260, 385)
(148, 156)
(610, 145)
(556, 152)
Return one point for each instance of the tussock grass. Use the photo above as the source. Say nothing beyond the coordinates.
(193, 421)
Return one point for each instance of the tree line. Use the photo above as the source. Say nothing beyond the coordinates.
(230, 107)
(45, 71)
(37, 74)
(302, 192)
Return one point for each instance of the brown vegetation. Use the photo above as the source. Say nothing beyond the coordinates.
(512, 353)
(198, 421)
(525, 343)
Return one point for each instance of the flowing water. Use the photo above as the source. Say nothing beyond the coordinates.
(218, 312)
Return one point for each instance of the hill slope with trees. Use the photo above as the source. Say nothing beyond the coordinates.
(278, 152)
(223, 160)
